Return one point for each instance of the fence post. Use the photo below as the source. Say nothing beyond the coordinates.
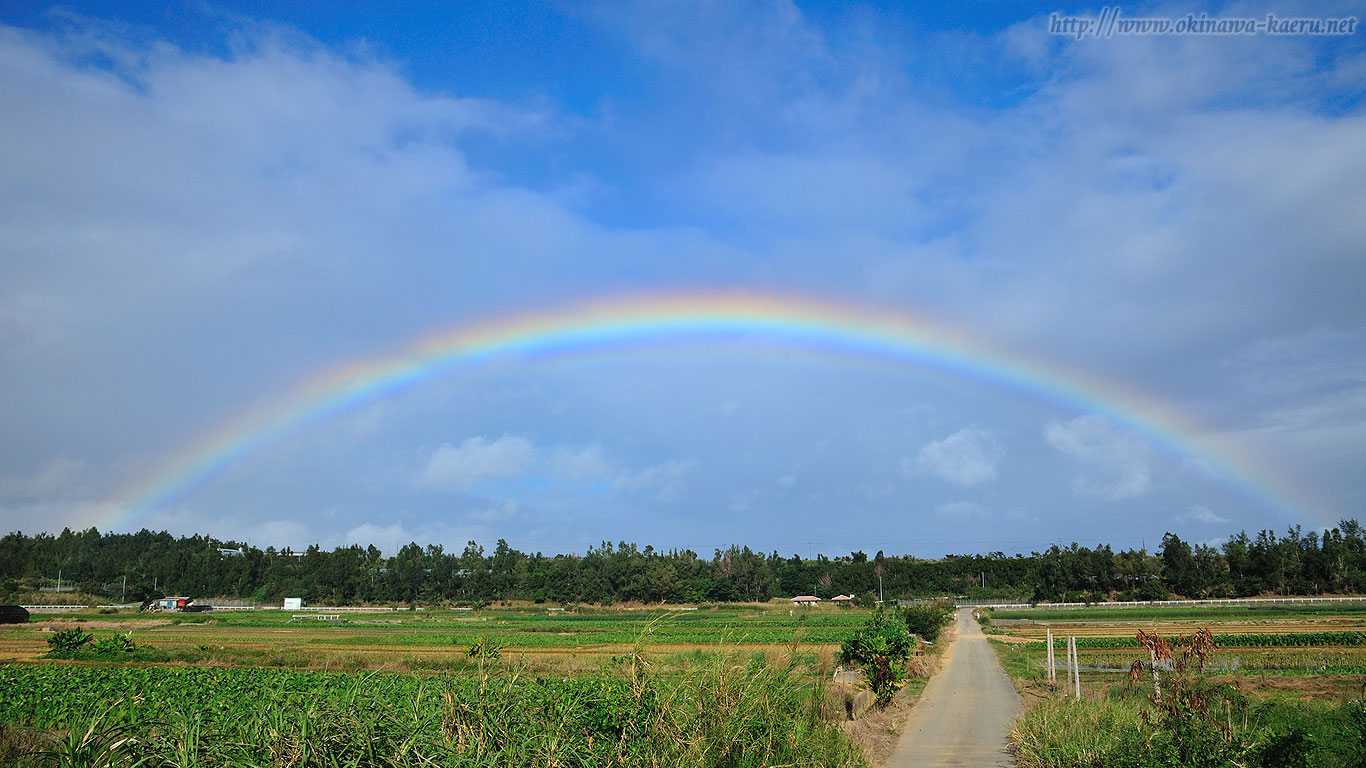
(1052, 660)
(1076, 662)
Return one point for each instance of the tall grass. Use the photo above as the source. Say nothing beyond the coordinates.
(1059, 732)
(1124, 731)
(726, 710)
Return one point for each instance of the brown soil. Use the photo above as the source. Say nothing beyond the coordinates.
(66, 622)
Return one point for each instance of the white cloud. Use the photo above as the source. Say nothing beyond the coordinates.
(370, 533)
(967, 457)
(665, 480)
(476, 461)
(1115, 463)
(281, 534)
(961, 511)
(499, 512)
(578, 465)
(1202, 514)
(397, 534)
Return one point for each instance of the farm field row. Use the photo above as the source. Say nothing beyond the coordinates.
(1221, 613)
(1225, 640)
(439, 640)
(1038, 630)
(1278, 647)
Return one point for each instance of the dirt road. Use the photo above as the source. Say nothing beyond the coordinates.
(965, 711)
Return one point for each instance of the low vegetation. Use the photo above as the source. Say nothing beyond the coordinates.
(1166, 708)
(1206, 725)
(726, 710)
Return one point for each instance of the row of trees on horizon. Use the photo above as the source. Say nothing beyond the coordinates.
(148, 564)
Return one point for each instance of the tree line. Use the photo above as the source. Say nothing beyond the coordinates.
(148, 564)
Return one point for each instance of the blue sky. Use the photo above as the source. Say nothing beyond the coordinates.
(206, 204)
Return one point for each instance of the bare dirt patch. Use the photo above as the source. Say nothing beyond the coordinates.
(66, 622)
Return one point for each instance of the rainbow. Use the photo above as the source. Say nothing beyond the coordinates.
(605, 324)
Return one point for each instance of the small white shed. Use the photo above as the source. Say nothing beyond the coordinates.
(294, 603)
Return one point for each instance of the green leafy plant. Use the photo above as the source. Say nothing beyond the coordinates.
(114, 645)
(881, 647)
(105, 740)
(68, 641)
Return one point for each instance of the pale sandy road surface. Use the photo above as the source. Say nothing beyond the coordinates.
(965, 712)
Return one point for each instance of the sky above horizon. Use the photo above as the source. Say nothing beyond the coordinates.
(209, 205)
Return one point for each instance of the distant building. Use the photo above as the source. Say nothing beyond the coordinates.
(225, 552)
(807, 600)
(294, 603)
(843, 600)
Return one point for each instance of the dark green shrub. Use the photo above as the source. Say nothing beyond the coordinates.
(1153, 590)
(882, 625)
(927, 619)
(881, 647)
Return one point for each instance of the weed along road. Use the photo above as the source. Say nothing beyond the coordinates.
(965, 712)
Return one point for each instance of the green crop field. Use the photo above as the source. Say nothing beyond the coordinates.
(724, 712)
(263, 688)
(393, 639)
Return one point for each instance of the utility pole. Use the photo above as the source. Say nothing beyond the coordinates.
(59, 581)
(879, 589)
(125, 588)
(809, 556)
